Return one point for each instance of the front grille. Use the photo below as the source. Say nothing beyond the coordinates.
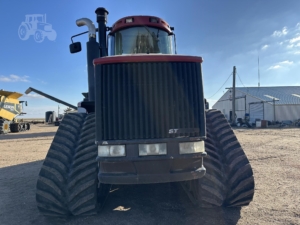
(148, 100)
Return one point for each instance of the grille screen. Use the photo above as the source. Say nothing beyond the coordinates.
(148, 100)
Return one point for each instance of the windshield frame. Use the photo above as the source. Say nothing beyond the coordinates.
(156, 40)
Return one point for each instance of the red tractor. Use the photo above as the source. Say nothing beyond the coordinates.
(145, 122)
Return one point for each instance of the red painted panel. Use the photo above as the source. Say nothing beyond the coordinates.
(141, 21)
(147, 58)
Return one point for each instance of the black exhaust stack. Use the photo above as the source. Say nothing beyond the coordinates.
(92, 53)
(101, 20)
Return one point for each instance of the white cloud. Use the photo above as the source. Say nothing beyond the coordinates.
(279, 33)
(297, 53)
(274, 67)
(286, 62)
(295, 39)
(33, 96)
(293, 45)
(264, 47)
(280, 65)
(14, 78)
(43, 82)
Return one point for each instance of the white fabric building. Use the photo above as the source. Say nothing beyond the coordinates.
(259, 103)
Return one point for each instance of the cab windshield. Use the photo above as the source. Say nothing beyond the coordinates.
(142, 39)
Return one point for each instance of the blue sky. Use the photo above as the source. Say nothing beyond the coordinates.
(225, 33)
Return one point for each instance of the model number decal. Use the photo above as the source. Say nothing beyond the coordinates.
(184, 130)
(173, 131)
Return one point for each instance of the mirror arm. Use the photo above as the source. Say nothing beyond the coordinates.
(80, 34)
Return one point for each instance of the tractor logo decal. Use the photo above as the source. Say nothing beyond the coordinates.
(36, 25)
(10, 107)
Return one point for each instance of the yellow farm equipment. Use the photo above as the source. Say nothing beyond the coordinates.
(10, 107)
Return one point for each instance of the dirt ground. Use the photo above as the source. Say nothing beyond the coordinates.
(274, 156)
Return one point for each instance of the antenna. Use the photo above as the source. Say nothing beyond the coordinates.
(258, 72)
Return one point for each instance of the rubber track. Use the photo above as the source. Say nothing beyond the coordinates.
(52, 193)
(211, 186)
(82, 187)
(236, 175)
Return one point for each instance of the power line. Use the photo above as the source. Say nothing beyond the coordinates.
(221, 86)
(240, 79)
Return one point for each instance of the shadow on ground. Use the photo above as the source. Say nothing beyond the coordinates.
(26, 135)
(131, 204)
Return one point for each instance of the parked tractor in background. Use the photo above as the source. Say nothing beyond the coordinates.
(36, 25)
(145, 122)
(10, 107)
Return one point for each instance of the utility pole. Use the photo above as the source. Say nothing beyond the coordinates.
(233, 98)
(274, 110)
(258, 72)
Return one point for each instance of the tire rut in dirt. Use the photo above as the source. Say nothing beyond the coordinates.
(237, 172)
(52, 193)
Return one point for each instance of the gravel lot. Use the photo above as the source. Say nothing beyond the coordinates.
(274, 156)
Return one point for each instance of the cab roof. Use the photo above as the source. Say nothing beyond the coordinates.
(133, 21)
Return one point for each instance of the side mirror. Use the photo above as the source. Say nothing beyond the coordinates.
(75, 47)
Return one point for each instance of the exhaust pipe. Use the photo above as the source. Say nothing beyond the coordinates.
(87, 22)
(92, 52)
(101, 20)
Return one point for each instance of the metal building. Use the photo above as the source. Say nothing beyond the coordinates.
(265, 103)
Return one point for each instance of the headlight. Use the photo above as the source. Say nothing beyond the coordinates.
(191, 147)
(111, 150)
(152, 149)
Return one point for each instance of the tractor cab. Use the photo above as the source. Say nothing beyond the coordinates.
(140, 35)
(35, 18)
